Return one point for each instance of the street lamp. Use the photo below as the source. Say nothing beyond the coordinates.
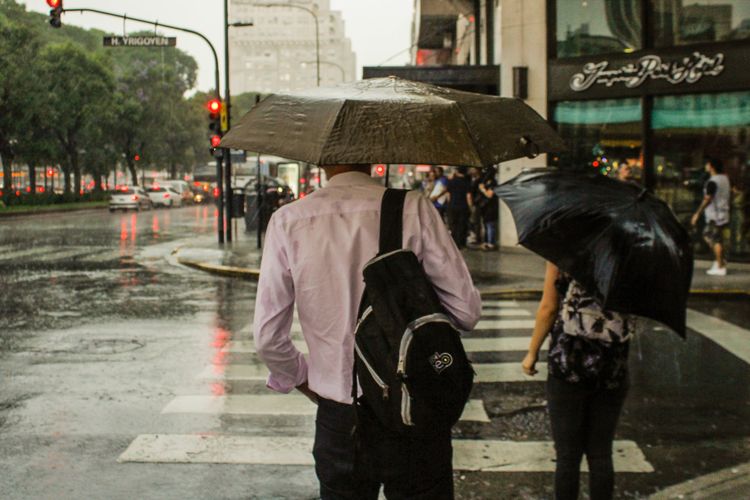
(343, 71)
(317, 34)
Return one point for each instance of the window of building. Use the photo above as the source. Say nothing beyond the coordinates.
(600, 135)
(700, 21)
(689, 128)
(586, 27)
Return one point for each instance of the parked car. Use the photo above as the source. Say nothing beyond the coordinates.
(181, 187)
(164, 196)
(129, 197)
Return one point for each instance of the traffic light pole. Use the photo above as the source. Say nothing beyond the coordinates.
(228, 104)
(221, 198)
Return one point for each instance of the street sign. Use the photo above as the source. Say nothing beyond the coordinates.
(224, 117)
(140, 41)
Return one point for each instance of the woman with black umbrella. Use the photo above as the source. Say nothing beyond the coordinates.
(587, 381)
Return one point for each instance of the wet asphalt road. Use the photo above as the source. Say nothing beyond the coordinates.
(101, 328)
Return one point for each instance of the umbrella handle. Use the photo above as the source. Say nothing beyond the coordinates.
(529, 147)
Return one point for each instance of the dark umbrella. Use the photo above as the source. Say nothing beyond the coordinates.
(622, 243)
(389, 120)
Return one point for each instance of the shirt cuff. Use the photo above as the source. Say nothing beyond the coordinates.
(286, 382)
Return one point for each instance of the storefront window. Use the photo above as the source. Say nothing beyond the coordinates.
(689, 128)
(586, 27)
(700, 21)
(603, 135)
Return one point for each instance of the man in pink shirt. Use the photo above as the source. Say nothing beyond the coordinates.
(314, 253)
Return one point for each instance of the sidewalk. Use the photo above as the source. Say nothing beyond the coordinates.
(511, 271)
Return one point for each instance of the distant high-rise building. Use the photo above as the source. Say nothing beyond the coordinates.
(278, 53)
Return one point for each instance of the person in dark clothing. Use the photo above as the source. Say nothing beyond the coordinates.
(587, 382)
(489, 212)
(459, 204)
(475, 211)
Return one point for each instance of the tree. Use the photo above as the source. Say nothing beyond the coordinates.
(79, 92)
(17, 67)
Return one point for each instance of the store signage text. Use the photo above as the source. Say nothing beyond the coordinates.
(689, 69)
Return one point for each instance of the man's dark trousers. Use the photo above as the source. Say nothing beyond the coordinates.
(408, 468)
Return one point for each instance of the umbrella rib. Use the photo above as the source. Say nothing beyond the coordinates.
(330, 127)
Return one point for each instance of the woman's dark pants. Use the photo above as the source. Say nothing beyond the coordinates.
(583, 421)
(408, 468)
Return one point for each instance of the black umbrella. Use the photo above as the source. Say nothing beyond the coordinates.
(389, 120)
(624, 245)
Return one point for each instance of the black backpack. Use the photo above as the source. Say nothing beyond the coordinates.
(409, 360)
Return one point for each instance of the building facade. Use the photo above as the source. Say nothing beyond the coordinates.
(279, 52)
(654, 85)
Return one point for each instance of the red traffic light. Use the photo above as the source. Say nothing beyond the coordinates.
(214, 105)
(380, 170)
(137, 157)
(215, 141)
(54, 3)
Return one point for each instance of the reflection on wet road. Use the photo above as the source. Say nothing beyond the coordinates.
(113, 350)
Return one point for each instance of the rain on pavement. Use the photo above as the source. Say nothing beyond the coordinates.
(115, 359)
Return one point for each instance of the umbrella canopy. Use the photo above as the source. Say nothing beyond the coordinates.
(619, 241)
(390, 120)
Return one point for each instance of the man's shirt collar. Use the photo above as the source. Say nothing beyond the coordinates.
(352, 178)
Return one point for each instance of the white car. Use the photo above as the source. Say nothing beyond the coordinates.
(182, 187)
(164, 196)
(129, 197)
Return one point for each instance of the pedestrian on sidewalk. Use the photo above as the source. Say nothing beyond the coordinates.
(490, 204)
(475, 218)
(325, 282)
(715, 206)
(459, 206)
(587, 381)
(439, 195)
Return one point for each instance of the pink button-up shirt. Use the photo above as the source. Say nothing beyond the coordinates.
(314, 253)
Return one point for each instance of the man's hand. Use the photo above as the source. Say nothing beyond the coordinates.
(304, 389)
(529, 364)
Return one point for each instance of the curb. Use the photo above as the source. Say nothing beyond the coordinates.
(252, 274)
(235, 272)
(46, 212)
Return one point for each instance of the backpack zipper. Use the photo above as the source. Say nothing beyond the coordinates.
(373, 374)
(405, 405)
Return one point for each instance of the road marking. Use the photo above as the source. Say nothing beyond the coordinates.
(505, 312)
(499, 303)
(729, 336)
(27, 252)
(471, 345)
(468, 454)
(505, 324)
(282, 404)
(486, 372)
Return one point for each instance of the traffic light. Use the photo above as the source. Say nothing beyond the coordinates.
(55, 13)
(214, 107)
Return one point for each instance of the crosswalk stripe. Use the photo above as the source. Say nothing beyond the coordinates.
(27, 252)
(486, 372)
(267, 404)
(505, 324)
(729, 336)
(484, 324)
(499, 303)
(488, 344)
(468, 454)
(505, 312)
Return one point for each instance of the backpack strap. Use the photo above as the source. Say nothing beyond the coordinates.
(392, 220)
